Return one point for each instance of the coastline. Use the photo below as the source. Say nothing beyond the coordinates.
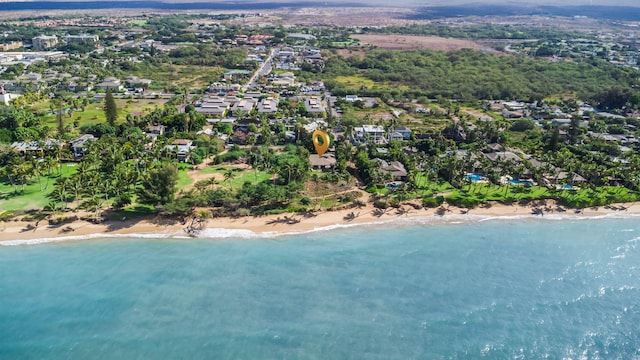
(22, 233)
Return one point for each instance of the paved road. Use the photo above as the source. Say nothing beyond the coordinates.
(264, 69)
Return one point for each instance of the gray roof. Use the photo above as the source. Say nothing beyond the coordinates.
(326, 160)
(502, 155)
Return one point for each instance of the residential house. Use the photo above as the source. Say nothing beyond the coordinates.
(32, 81)
(502, 156)
(153, 131)
(36, 146)
(326, 162)
(81, 39)
(213, 106)
(314, 125)
(373, 134)
(182, 148)
(80, 146)
(5, 97)
(286, 53)
(218, 88)
(314, 106)
(77, 85)
(243, 105)
(395, 169)
(110, 83)
(253, 95)
(237, 74)
(508, 114)
(400, 133)
(283, 80)
(268, 106)
(136, 82)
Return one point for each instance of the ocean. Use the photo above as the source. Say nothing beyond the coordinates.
(496, 289)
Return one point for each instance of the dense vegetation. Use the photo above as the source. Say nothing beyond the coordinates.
(488, 31)
(469, 75)
(270, 172)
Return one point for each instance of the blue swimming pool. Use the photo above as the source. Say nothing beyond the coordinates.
(521, 182)
(474, 177)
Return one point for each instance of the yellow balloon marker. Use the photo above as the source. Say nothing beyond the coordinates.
(320, 141)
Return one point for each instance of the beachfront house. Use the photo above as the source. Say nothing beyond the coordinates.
(326, 162)
(394, 169)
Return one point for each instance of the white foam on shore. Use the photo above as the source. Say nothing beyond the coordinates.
(154, 235)
(222, 233)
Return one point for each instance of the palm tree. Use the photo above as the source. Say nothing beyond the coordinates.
(49, 163)
(76, 184)
(37, 169)
(212, 182)
(228, 175)
(201, 185)
(61, 187)
(23, 172)
(52, 209)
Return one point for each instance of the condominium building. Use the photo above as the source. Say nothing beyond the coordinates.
(44, 42)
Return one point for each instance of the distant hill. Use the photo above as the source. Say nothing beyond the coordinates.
(629, 13)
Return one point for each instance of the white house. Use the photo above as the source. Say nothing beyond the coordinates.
(373, 134)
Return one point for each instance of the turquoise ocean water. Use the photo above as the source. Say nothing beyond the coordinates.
(497, 289)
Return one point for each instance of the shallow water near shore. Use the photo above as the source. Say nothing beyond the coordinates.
(509, 288)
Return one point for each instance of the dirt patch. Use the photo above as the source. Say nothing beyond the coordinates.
(349, 53)
(408, 42)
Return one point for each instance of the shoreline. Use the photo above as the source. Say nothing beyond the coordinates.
(271, 226)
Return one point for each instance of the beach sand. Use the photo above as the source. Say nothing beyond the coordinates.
(281, 224)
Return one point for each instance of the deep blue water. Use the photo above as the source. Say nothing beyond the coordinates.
(517, 289)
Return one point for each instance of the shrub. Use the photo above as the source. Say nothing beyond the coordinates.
(523, 125)
(464, 201)
(380, 204)
(432, 202)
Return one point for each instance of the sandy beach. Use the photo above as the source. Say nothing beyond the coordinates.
(12, 232)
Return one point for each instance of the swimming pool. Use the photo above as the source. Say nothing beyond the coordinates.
(521, 182)
(475, 177)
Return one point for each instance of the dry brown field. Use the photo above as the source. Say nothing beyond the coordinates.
(408, 42)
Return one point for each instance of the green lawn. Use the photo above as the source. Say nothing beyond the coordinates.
(183, 178)
(241, 176)
(32, 197)
(94, 113)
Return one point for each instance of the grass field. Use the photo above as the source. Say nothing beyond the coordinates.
(94, 113)
(241, 176)
(32, 197)
(168, 76)
(137, 22)
(357, 82)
